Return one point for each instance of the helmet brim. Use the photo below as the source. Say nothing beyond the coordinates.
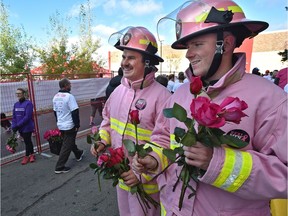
(156, 57)
(253, 28)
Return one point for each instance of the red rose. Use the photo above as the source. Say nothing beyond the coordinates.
(47, 135)
(104, 158)
(206, 113)
(119, 151)
(196, 85)
(134, 115)
(231, 109)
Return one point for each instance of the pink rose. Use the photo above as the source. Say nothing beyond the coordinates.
(10, 149)
(231, 109)
(104, 158)
(134, 115)
(94, 130)
(206, 113)
(196, 85)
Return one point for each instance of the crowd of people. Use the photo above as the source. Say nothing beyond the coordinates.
(229, 181)
(278, 77)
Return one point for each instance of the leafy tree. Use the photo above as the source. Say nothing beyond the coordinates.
(16, 55)
(62, 57)
(284, 55)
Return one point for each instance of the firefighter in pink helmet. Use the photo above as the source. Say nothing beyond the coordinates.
(138, 91)
(234, 181)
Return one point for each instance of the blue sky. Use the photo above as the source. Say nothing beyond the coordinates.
(113, 15)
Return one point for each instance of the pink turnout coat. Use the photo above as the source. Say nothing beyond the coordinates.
(116, 126)
(237, 181)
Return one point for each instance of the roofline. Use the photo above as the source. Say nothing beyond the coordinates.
(276, 31)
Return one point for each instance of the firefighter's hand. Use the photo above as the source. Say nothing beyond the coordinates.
(142, 165)
(97, 148)
(129, 178)
(198, 155)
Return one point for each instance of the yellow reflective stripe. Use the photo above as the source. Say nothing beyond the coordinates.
(143, 134)
(146, 42)
(173, 143)
(246, 168)
(228, 166)
(236, 169)
(163, 210)
(119, 127)
(147, 177)
(235, 9)
(105, 136)
(158, 150)
(203, 16)
(148, 188)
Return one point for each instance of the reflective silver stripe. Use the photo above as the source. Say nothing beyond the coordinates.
(235, 172)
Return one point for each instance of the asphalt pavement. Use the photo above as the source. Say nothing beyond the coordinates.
(35, 190)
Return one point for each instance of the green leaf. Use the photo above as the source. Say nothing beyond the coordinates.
(93, 166)
(133, 189)
(179, 132)
(115, 182)
(233, 141)
(179, 150)
(217, 131)
(89, 140)
(142, 151)
(168, 113)
(189, 123)
(170, 154)
(97, 137)
(189, 139)
(130, 146)
(210, 140)
(179, 112)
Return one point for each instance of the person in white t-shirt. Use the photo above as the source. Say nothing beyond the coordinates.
(171, 82)
(181, 78)
(66, 111)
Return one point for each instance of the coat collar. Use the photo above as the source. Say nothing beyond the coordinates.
(136, 84)
(234, 75)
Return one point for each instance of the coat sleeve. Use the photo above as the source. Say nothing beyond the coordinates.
(105, 129)
(259, 173)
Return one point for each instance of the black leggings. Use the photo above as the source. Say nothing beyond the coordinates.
(28, 143)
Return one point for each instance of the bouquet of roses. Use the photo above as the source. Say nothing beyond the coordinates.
(133, 148)
(204, 127)
(53, 135)
(12, 143)
(111, 165)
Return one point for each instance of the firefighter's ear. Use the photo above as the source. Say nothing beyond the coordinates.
(229, 43)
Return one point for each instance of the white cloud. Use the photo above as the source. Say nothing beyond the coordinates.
(103, 30)
(140, 7)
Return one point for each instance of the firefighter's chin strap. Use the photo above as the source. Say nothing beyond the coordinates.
(217, 57)
(148, 69)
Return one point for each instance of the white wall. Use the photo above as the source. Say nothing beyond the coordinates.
(267, 61)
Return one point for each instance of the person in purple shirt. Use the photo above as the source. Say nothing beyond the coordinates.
(23, 122)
